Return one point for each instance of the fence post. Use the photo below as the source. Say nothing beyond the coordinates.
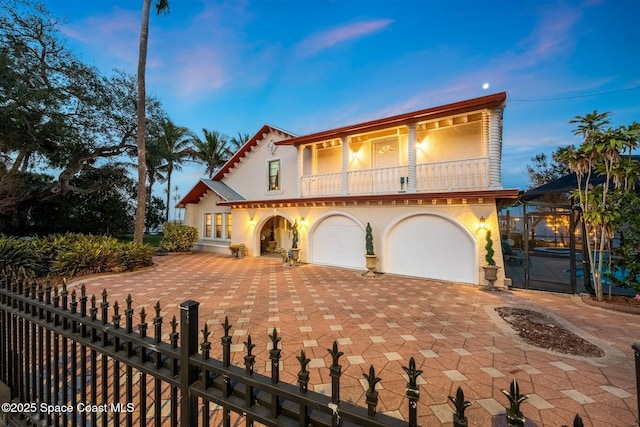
(188, 373)
(335, 371)
(413, 391)
(636, 349)
(274, 355)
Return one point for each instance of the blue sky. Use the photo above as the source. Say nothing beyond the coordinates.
(311, 65)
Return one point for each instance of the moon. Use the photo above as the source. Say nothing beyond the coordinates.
(485, 86)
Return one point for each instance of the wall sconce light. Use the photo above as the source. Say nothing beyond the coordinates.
(422, 145)
(302, 221)
(482, 223)
(252, 222)
(354, 155)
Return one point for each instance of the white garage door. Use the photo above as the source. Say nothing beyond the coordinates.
(338, 241)
(432, 247)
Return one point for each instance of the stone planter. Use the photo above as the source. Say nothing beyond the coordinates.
(295, 255)
(490, 274)
(371, 264)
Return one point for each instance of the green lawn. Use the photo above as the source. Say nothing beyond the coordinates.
(152, 240)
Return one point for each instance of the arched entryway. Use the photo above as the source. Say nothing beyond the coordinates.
(275, 234)
(431, 246)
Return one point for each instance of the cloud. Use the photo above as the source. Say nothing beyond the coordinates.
(198, 71)
(116, 35)
(332, 37)
(552, 34)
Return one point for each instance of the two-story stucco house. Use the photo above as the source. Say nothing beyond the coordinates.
(425, 181)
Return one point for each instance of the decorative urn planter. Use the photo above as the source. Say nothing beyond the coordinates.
(370, 255)
(491, 274)
(295, 250)
(491, 269)
(371, 264)
(295, 254)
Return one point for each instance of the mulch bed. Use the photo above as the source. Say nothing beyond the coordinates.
(544, 332)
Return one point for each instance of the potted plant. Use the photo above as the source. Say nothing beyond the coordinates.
(238, 250)
(295, 251)
(491, 269)
(370, 255)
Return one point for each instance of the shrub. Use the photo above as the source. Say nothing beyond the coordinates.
(72, 254)
(87, 255)
(369, 241)
(19, 255)
(489, 247)
(48, 248)
(178, 237)
(134, 255)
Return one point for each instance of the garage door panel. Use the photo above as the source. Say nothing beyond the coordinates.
(339, 241)
(433, 247)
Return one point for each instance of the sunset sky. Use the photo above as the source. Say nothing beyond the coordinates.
(306, 66)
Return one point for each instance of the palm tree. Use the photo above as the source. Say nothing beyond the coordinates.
(174, 143)
(238, 141)
(590, 123)
(161, 6)
(154, 166)
(213, 151)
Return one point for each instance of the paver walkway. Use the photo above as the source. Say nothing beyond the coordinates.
(451, 330)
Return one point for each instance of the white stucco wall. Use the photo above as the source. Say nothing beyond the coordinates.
(249, 222)
(250, 179)
(194, 216)
(250, 176)
(451, 143)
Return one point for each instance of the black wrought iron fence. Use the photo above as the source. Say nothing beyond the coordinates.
(73, 360)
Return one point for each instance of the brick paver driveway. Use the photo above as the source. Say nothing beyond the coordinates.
(451, 330)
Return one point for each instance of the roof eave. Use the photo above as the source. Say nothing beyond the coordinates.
(245, 148)
(479, 194)
(485, 102)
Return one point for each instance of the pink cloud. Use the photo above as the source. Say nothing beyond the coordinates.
(115, 35)
(553, 33)
(198, 71)
(327, 39)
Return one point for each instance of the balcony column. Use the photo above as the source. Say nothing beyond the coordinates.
(299, 165)
(412, 147)
(494, 139)
(344, 183)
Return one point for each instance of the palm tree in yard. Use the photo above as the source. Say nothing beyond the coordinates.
(174, 143)
(154, 162)
(161, 6)
(238, 141)
(213, 150)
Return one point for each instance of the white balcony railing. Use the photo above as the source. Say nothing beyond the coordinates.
(377, 181)
(468, 174)
(321, 185)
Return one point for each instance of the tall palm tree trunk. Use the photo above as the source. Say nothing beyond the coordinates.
(169, 170)
(142, 125)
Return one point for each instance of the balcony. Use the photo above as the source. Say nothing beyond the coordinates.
(459, 175)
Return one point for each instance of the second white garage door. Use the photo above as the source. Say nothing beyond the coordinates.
(339, 241)
(433, 247)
